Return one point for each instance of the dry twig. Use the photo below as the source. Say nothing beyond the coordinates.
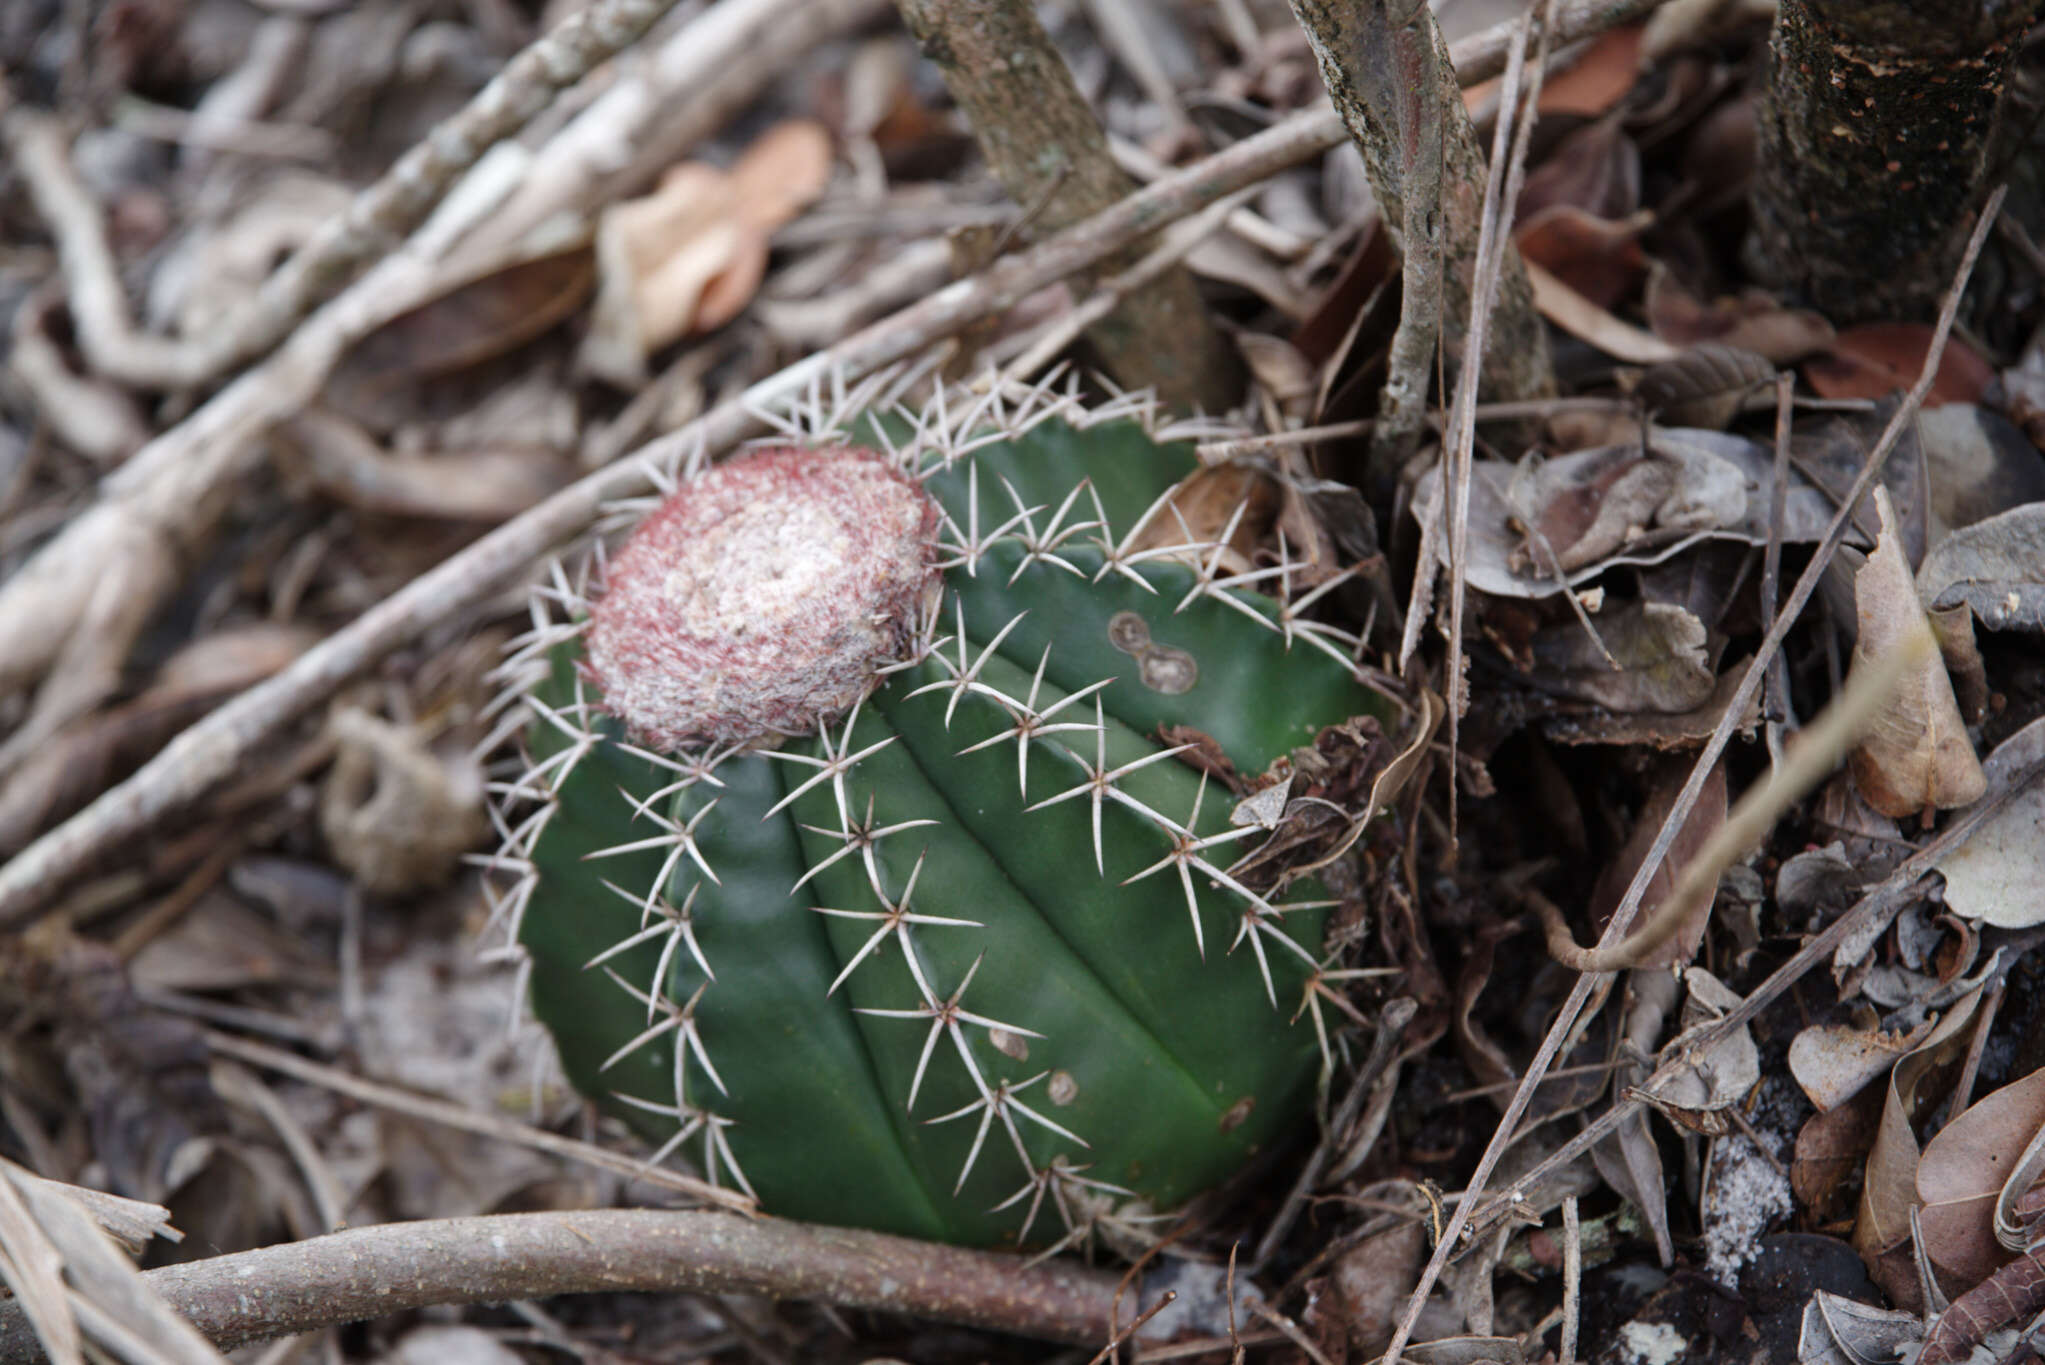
(392, 1267)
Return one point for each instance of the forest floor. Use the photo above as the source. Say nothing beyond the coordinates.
(283, 460)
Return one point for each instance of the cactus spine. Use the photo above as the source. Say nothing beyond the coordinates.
(965, 958)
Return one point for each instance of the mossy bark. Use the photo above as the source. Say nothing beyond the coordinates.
(1876, 131)
(1048, 150)
(1376, 60)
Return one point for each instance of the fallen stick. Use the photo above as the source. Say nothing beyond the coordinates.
(388, 1268)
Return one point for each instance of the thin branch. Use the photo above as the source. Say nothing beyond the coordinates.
(393, 1267)
(216, 746)
(1686, 799)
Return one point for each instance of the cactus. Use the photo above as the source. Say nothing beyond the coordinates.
(850, 857)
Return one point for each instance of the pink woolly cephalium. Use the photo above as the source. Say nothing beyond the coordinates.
(764, 595)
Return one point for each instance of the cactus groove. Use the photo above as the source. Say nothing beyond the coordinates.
(967, 962)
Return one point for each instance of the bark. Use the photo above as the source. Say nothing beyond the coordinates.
(1047, 149)
(1875, 138)
(389, 1268)
(1373, 58)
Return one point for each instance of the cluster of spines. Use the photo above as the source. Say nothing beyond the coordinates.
(944, 433)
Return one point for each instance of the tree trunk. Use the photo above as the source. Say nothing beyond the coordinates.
(1048, 150)
(1375, 64)
(1876, 129)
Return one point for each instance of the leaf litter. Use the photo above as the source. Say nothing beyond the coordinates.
(1617, 567)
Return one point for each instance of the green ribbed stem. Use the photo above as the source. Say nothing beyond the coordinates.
(1092, 1041)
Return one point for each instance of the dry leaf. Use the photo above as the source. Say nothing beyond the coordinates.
(1600, 258)
(1962, 1172)
(1880, 358)
(1598, 79)
(1834, 1062)
(1704, 387)
(1708, 498)
(1916, 756)
(1830, 1149)
(1581, 318)
(1699, 1082)
(471, 323)
(1995, 874)
(1703, 821)
(1595, 169)
(688, 257)
(1659, 650)
(1995, 567)
(1889, 1190)
(1753, 321)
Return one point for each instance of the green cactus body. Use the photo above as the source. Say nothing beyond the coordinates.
(967, 962)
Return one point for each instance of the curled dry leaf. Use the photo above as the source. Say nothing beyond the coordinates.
(1961, 1175)
(1994, 875)
(1835, 1062)
(1995, 568)
(1889, 1189)
(397, 816)
(1916, 756)
(1700, 1083)
(689, 256)
(1708, 492)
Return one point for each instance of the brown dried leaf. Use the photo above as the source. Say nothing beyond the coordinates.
(1600, 258)
(1595, 169)
(1204, 505)
(1372, 1279)
(1962, 1171)
(1705, 817)
(1705, 386)
(1829, 1151)
(1877, 359)
(475, 322)
(1753, 321)
(1916, 756)
(1889, 1190)
(1599, 79)
(1835, 1062)
(1995, 874)
(689, 257)
(1659, 650)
